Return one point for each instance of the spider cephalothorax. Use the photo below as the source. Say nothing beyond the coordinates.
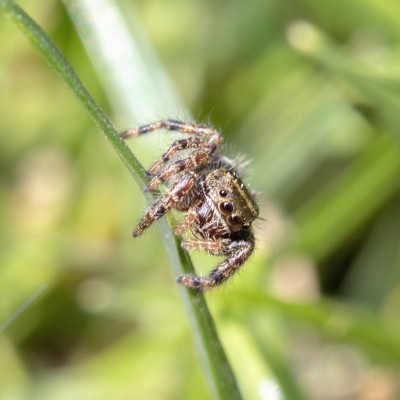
(219, 208)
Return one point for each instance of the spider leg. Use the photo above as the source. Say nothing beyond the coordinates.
(166, 202)
(171, 125)
(238, 256)
(189, 220)
(192, 162)
(179, 145)
(213, 247)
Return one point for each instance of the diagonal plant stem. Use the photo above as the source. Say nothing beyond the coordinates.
(215, 363)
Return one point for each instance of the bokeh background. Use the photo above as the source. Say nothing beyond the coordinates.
(310, 92)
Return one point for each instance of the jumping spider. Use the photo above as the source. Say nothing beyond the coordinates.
(219, 208)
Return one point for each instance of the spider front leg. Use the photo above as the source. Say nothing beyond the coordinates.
(179, 145)
(189, 220)
(166, 202)
(240, 251)
(205, 138)
(214, 247)
(172, 125)
(191, 162)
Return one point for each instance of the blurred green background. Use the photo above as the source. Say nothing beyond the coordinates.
(310, 92)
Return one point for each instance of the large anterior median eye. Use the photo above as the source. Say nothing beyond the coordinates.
(226, 207)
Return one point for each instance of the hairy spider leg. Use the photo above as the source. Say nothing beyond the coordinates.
(179, 145)
(166, 202)
(213, 247)
(243, 250)
(189, 220)
(172, 125)
(192, 162)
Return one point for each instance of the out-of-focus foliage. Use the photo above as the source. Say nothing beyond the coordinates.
(310, 91)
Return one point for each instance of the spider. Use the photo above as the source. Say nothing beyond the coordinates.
(219, 208)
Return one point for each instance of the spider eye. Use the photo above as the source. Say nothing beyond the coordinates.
(235, 219)
(223, 193)
(246, 225)
(226, 207)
